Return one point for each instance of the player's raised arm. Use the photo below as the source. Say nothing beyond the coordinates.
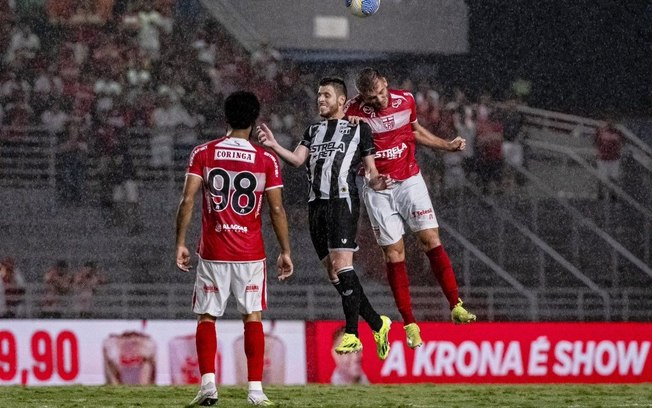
(267, 139)
(426, 138)
(191, 186)
(284, 265)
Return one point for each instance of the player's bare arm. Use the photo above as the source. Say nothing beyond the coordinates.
(184, 213)
(426, 138)
(284, 265)
(377, 181)
(267, 139)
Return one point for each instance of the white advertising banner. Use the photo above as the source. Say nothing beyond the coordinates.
(94, 352)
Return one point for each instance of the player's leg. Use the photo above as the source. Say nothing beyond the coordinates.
(248, 286)
(442, 269)
(209, 301)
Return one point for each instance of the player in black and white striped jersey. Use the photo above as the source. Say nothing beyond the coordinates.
(333, 149)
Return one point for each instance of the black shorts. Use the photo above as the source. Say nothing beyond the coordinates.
(333, 224)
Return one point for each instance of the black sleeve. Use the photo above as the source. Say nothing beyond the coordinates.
(307, 138)
(366, 140)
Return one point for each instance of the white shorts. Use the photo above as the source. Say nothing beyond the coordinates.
(408, 201)
(216, 281)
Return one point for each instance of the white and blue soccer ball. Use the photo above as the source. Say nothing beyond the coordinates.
(362, 8)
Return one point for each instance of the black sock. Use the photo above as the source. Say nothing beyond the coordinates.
(349, 289)
(366, 310)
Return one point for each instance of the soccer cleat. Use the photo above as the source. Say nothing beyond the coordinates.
(259, 399)
(413, 335)
(382, 338)
(460, 315)
(350, 344)
(206, 397)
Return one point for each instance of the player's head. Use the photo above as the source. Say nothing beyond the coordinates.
(348, 365)
(372, 87)
(241, 109)
(331, 97)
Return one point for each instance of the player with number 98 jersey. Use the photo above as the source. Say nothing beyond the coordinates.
(235, 175)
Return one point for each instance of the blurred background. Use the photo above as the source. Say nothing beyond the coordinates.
(546, 215)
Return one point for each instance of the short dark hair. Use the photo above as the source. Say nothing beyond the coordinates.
(241, 109)
(366, 78)
(337, 84)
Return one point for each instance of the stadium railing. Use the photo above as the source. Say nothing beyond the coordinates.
(319, 302)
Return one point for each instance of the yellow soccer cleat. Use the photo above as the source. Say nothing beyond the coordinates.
(460, 315)
(413, 335)
(382, 338)
(350, 344)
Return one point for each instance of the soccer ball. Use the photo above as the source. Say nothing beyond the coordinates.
(362, 8)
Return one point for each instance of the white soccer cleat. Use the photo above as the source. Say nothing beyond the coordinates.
(206, 396)
(259, 399)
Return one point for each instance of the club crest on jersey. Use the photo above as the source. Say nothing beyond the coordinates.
(388, 122)
(237, 155)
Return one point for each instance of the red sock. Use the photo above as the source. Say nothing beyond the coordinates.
(254, 345)
(443, 270)
(400, 284)
(206, 341)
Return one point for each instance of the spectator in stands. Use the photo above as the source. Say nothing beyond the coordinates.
(489, 150)
(72, 156)
(23, 44)
(85, 282)
(464, 122)
(57, 281)
(348, 367)
(169, 118)
(512, 149)
(12, 284)
(55, 120)
(609, 145)
(149, 23)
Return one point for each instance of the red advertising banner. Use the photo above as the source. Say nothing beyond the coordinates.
(489, 353)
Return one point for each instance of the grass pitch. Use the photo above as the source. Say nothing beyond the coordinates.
(374, 396)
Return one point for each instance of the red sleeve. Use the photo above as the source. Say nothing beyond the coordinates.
(413, 107)
(272, 171)
(195, 161)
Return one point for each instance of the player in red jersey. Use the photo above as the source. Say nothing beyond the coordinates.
(233, 175)
(396, 131)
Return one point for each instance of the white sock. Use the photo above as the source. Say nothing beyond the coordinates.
(255, 386)
(208, 378)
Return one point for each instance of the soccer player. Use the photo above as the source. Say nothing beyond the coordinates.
(333, 149)
(393, 120)
(233, 175)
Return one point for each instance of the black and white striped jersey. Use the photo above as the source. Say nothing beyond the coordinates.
(336, 149)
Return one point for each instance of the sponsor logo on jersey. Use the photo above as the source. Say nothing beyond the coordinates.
(323, 150)
(368, 109)
(231, 227)
(396, 102)
(252, 288)
(210, 289)
(391, 154)
(237, 155)
(388, 122)
(422, 213)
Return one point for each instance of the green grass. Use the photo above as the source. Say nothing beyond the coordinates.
(397, 396)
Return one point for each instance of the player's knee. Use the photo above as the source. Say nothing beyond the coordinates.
(394, 253)
(429, 239)
(349, 283)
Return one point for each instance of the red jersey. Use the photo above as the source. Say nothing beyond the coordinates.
(235, 174)
(392, 130)
(609, 142)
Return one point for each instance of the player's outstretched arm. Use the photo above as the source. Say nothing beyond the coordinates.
(267, 139)
(184, 214)
(426, 138)
(284, 265)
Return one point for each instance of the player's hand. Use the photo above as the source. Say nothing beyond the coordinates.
(457, 144)
(284, 266)
(378, 183)
(183, 258)
(355, 119)
(265, 136)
